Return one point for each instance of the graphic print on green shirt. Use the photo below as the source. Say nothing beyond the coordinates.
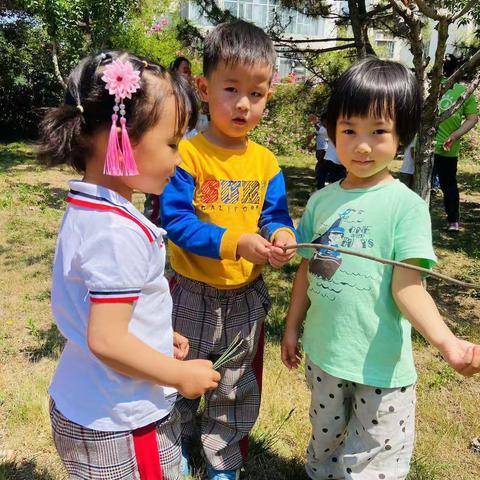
(353, 329)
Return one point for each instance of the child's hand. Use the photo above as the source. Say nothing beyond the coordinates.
(278, 257)
(254, 248)
(463, 356)
(289, 350)
(180, 346)
(198, 376)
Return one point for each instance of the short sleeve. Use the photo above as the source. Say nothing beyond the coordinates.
(185, 149)
(413, 236)
(305, 231)
(115, 264)
(470, 106)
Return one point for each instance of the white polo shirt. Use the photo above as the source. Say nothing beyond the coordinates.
(331, 153)
(107, 251)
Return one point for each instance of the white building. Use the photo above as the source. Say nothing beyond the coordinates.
(262, 13)
(301, 27)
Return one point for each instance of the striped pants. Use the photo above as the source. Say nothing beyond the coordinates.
(211, 318)
(148, 453)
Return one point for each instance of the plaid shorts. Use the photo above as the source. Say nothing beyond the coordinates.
(94, 455)
(211, 318)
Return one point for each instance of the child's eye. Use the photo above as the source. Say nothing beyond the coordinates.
(173, 146)
(380, 131)
(348, 131)
(231, 89)
(257, 94)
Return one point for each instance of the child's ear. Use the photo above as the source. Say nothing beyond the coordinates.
(202, 86)
(269, 93)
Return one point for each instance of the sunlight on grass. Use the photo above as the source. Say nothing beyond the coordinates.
(31, 207)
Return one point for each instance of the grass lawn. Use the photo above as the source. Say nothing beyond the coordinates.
(31, 207)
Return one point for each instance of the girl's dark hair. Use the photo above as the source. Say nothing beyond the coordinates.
(381, 88)
(66, 130)
(237, 42)
(174, 66)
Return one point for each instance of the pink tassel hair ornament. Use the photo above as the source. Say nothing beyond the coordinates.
(121, 80)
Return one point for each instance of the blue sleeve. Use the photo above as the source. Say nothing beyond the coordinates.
(275, 208)
(182, 224)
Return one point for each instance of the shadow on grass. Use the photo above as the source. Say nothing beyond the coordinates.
(25, 470)
(467, 239)
(14, 154)
(264, 463)
(300, 183)
(49, 343)
(469, 182)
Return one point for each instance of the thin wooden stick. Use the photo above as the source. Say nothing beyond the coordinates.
(384, 261)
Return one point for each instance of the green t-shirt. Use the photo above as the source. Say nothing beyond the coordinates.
(452, 123)
(353, 328)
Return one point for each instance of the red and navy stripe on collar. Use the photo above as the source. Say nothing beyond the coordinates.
(86, 200)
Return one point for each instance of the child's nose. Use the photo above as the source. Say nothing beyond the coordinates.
(242, 103)
(363, 148)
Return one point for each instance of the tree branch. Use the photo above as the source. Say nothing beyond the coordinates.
(429, 11)
(56, 68)
(464, 10)
(385, 261)
(436, 73)
(313, 50)
(402, 9)
(469, 66)
(470, 89)
(316, 40)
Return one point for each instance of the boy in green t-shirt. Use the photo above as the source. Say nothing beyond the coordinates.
(357, 334)
(447, 142)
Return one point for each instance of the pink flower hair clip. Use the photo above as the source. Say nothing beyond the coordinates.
(122, 81)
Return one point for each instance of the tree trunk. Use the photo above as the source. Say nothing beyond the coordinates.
(356, 22)
(56, 68)
(424, 150)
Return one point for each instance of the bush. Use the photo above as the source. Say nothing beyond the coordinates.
(27, 83)
(286, 128)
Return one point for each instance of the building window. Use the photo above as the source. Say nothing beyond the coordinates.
(262, 13)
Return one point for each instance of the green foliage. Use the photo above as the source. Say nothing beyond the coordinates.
(471, 143)
(27, 82)
(286, 128)
(37, 29)
(152, 33)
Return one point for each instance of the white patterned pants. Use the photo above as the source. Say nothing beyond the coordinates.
(359, 432)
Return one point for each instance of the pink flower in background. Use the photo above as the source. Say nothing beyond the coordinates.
(160, 25)
(292, 77)
(275, 78)
(265, 113)
(121, 79)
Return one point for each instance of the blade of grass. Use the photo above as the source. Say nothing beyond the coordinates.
(229, 352)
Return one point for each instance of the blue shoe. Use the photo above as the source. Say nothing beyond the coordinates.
(185, 465)
(213, 474)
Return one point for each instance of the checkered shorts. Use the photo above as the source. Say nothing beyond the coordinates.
(94, 455)
(211, 318)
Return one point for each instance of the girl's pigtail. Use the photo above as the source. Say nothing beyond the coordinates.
(60, 131)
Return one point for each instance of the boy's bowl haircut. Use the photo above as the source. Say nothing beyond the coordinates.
(381, 88)
(237, 42)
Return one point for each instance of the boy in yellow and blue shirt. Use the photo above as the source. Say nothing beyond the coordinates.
(226, 215)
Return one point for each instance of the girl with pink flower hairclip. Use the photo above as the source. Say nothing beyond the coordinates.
(113, 393)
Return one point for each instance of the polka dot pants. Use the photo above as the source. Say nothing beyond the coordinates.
(359, 432)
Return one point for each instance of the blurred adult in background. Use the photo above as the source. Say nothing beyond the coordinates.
(182, 66)
(448, 142)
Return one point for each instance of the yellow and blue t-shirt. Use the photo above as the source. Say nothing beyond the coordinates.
(218, 194)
